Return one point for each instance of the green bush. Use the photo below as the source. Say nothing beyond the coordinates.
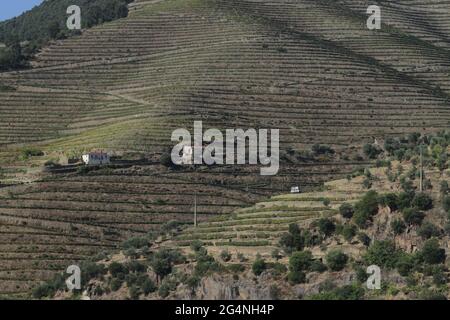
(382, 253)
(398, 226)
(444, 189)
(365, 209)
(163, 261)
(115, 268)
(225, 255)
(28, 153)
(431, 253)
(293, 240)
(389, 200)
(318, 149)
(405, 264)
(364, 238)
(336, 260)
(91, 270)
(422, 201)
(405, 200)
(446, 203)
(49, 288)
(259, 266)
(371, 151)
(348, 232)
(296, 277)
(148, 286)
(317, 266)
(115, 284)
(135, 243)
(196, 245)
(428, 230)
(326, 226)
(135, 266)
(413, 216)
(300, 261)
(346, 210)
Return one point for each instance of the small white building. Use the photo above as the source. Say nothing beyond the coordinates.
(295, 189)
(96, 158)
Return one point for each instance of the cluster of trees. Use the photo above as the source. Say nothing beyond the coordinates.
(26, 34)
(434, 148)
(386, 255)
(11, 56)
(412, 205)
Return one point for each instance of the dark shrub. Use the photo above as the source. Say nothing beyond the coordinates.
(196, 245)
(446, 203)
(371, 151)
(428, 230)
(292, 241)
(295, 277)
(115, 268)
(398, 226)
(326, 226)
(318, 149)
(405, 200)
(431, 253)
(364, 239)
(413, 216)
(163, 261)
(405, 264)
(382, 253)
(116, 284)
(422, 201)
(225, 255)
(317, 266)
(389, 200)
(135, 243)
(346, 210)
(336, 260)
(259, 266)
(148, 286)
(348, 232)
(300, 261)
(366, 208)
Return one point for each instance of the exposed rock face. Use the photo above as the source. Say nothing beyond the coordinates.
(224, 287)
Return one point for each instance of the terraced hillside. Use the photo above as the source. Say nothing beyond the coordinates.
(308, 68)
(258, 231)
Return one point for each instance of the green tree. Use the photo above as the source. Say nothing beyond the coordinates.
(382, 253)
(413, 216)
(422, 201)
(259, 266)
(398, 226)
(326, 226)
(428, 230)
(431, 253)
(336, 260)
(346, 210)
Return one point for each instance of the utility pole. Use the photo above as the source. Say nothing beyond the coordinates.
(195, 211)
(421, 169)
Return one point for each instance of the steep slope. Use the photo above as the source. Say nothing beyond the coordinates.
(309, 68)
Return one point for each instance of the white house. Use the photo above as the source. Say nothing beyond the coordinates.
(96, 158)
(295, 189)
